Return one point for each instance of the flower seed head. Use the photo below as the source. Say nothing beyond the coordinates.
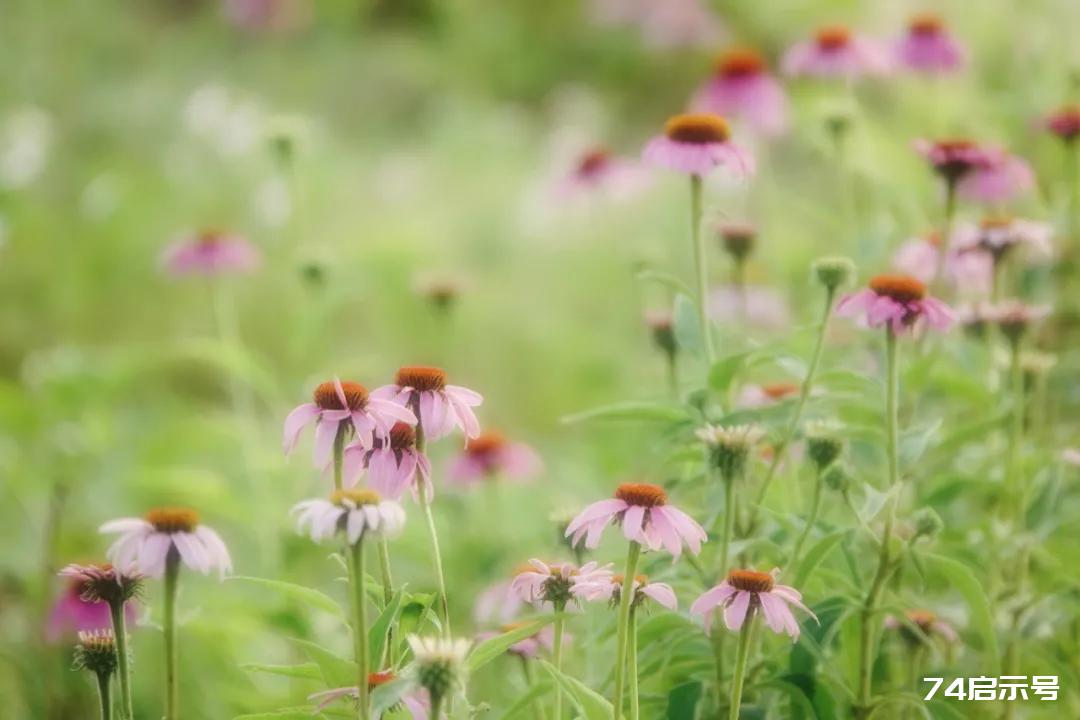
(326, 396)
(823, 443)
(641, 494)
(697, 129)
(439, 665)
(422, 378)
(173, 519)
(834, 272)
(751, 581)
(104, 583)
(357, 496)
(96, 652)
(901, 288)
(833, 37)
(730, 446)
(837, 477)
(740, 63)
(926, 25)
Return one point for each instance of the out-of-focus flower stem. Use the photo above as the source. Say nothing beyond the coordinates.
(360, 639)
(625, 598)
(172, 679)
(701, 266)
(119, 624)
(556, 655)
(746, 638)
(425, 503)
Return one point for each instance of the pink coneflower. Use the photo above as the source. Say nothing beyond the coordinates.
(929, 47)
(899, 301)
(210, 252)
(646, 518)
(490, 455)
(337, 402)
(556, 583)
(530, 647)
(981, 173)
(672, 23)
(147, 542)
(611, 590)
(756, 396)
(835, 51)
(499, 602)
(955, 158)
(356, 513)
(599, 172)
(1064, 123)
(928, 623)
(742, 87)
(746, 591)
(920, 258)
(393, 464)
(440, 407)
(696, 144)
(1013, 317)
(998, 236)
(415, 702)
(82, 607)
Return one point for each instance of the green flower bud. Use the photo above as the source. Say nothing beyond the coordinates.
(823, 444)
(833, 272)
(837, 477)
(96, 652)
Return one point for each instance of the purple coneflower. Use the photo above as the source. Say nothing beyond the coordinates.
(646, 518)
(929, 47)
(1064, 123)
(340, 402)
(835, 51)
(356, 513)
(78, 608)
(600, 172)
(210, 252)
(748, 591)
(742, 87)
(556, 583)
(920, 258)
(898, 301)
(393, 464)
(440, 407)
(148, 542)
(414, 702)
(928, 624)
(530, 647)
(999, 235)
(491, 455)
(610, 590)
(756, 396)
(499, 602)
(695, 144)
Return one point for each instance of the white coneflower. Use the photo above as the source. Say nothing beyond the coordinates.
(357, 512)
(730, 446)
(439, 667)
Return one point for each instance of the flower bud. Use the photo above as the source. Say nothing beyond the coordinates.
(730, 447)
(822, 444)
(439, 665)
(927, 523)
(833, 272)
(837, 477)
(96, 652)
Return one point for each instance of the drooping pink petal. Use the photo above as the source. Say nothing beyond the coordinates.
(735, 612)
(295, 422)
(661, 593)
(632, 522)
(603, 508)
(325, 432)
(191, 551)
(152, 553)
(712, 598)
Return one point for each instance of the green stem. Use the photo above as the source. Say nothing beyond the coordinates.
(360, 638)
(746, 637)
(556, 656)
(119, 624)
(673, 374)
(339, 452)
(885, 561)
(436, 707)
(729, 524)
(1015, 492)
(172, 679)
(780, 450)
(815, 508)
(425, 502)
(104, 695)
(631, 666)
(626, 596)
(701, 267)
(388, 597)
(946, 232)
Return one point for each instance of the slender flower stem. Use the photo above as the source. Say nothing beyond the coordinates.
(885, 560)
(436, 707)
(172, 679)
(631, 666)
(425, 503)
(742, 655)
(815, 508)
(339, 452)
(729, 524)
(626, 596)
(556, 656)
(673, 374)
(119, 624)
(946, 232)
(781, 448)
(104, 695)
(1015, 492)
(738, 281)
(388, 596)
(360, 638)
(701, 266)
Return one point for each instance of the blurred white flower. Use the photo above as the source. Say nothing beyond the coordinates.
(231, 124)
(25, 140)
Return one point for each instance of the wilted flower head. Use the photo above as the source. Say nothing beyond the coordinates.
(643, 512)
(440, 407)
(104, 583)
(210, 252)
(96, 652)
(833, 272)
(147, 542)
(346, 402)
(999, 235)
(610, 590)
(928, 624)
(741, 86)
(359, 512)
(898, 301)
(836, 51)
(747, 591)
(1065, 123)
(556, 583)
(80, 607)
(393, 464)
(929, 47)
(662, 325)
(730, 446)
(415, 701)
(823, 442)
(1014, 317)
(492, 455)
(737, 239)
(438, 665)
(695, 144)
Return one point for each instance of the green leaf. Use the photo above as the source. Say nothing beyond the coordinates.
(522, 703)
(816, 555)
(336, 671)
(960, 577)
(589, 703)
(377, 633)
(687, 325)
(388, 695)
(283, 714)
(308, 671)
(914, 442)
(492, 648)
(643, 411)
(793, 692)
(683, 701)
(304, 595)
(724, 370)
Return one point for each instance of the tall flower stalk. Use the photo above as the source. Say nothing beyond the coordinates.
(701, 269)
(96, 652)
(556, 653)
(632, 663)
(742, 657)
(360, 641)
(433, 535)
(626, 597)
(172, 677)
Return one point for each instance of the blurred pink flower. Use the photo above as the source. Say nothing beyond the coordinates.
(499, 602)
(1005, 178)
(1064, 123)
(393, 464)
(72, 614)
(696, 144)
(929, 47)
(927, 622)
(343, 402)
(756, 396)
(491, 455)
(642, 510)
(415, 701)
(899, 301)
(210, 252)
(356, 513)
(671, 23)
(145, 543)
(742, 87)
(531, 646)
(746, 591)
(610, 589)
(598, 172)
(440, 407)
(968, 272)
(837, 52)
(998, 236)
(956, 158)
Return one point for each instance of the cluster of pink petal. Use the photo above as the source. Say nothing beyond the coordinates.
(662, 526)
(597, 590)
(757, 98)
(514, 460)
(859, 56)
(773, 604)
(196, 254)
(440, 410)
(530, 584)
(968, 272)
(698, 158)
(390, 471)
(879, 310)
(141, 545)
(931, 53)
(1018, 231)
(616, 179)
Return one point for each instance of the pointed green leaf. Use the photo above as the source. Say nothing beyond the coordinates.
(491, 648)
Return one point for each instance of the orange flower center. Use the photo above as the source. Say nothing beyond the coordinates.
(643, 494)
(926, 24)
(901, 288)
(933, 237)
(779, 390)
(639, 579)
(173, 519)
(210, 237)
(833, 37)
(697, 129)
(740, 62)
(486, 443)
(382, 677)
(750, 581)
(421, 378)
(593, 161)
(402, 436)
(955, 144)
(359, 496)
(326, 396)
(923, 618)
(996, 222)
